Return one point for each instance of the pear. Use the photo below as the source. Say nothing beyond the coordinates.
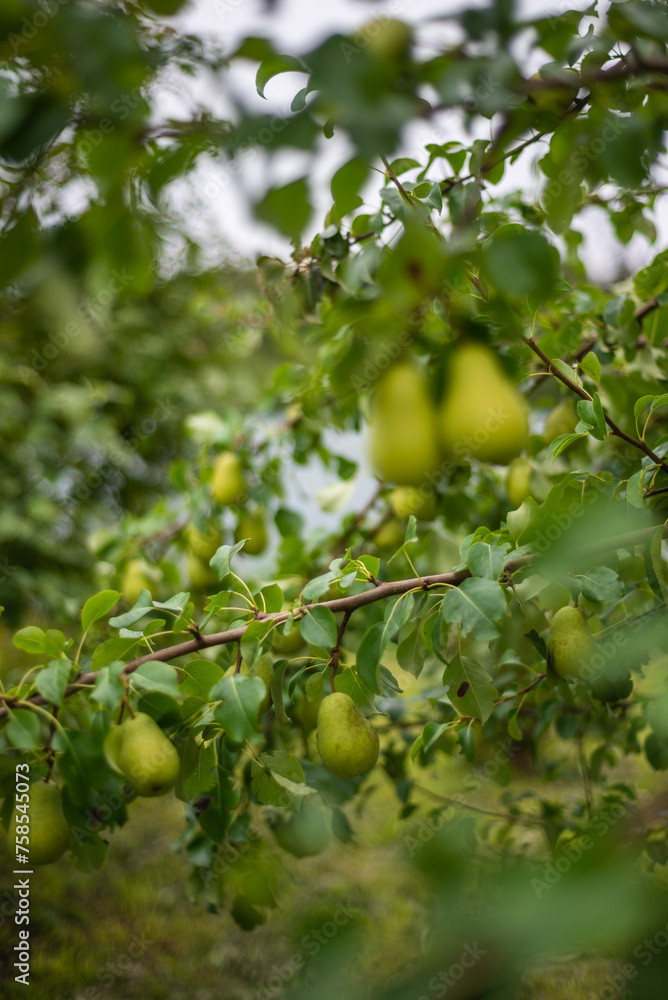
(262, 668)
(482, 415)
(227, 483)
(306, 713)
(402, 442)
(138, 576)
(141, 752)
(385, 38)
(390, 536)
(200, 573)
(563, 419)
(305, 833)
(347, 742)
(47, 827)
(570, 644)
(251, 526)
(204, 544)
(420, 502)
(518, 481)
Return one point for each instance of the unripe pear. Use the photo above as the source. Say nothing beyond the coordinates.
(390, 536)
(570, 644)
(518, 481)
(141, 752)
(251, 526)
(138, 576)
(563, 419)
(386, 38)
(420, 502)
(227, 483)
(205, 543)
(48, 830)
(200, 573)
(402, 441)
(482, 415)
(347, 742)
(306, 713)
(305, 833)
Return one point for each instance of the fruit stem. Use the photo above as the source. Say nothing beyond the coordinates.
(237, 668)
(336, 652)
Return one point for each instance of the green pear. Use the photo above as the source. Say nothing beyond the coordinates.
(390, 536)
(138, 576)
(251, 526)
(141, 752)
(305, 833)
(482, 415)
(227, 482)
(262, 668)
(563, 419)
(200, 573)
(204, 544)
(47, 827)
(385, 38)
(402, 441)
(518, 481)
(306, 713)
(420, 502)
(570, 644)
(347, 742)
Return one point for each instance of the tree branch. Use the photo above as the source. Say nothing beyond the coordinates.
(583, 394)
(391, 588)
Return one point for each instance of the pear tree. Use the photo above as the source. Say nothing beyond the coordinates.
(479, 644)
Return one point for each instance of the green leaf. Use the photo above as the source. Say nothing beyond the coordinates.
(287, 209)
(346, 184)
(142, 606)
(634, 489)
(23, 729)
(519, 264)
(561, 443)
(273, 598)
(109, 687)
(601, 584)
(590, 413)
(285, 765)
(471, 690)
(52, 680)
(591, 366)
(369, 653)
(221, 560)
(654, 563)
(487, 560)
(276, 690)
(318, 627)
(202, 771)
(411, 651)
(156, 676)
(98, 606)
(31, 639)
(476, 605)
(199, 676)
(241, 698)
(275, 65)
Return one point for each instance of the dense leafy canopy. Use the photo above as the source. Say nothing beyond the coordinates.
(113, 425)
